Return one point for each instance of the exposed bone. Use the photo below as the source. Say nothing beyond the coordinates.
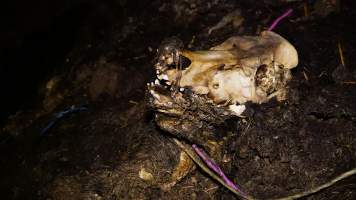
(155, 95)
(162, 77)
(237, 109)
(241, 69)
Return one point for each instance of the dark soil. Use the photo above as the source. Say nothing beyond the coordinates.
(279, 149)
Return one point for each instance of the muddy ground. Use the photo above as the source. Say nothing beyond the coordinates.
(98, 153)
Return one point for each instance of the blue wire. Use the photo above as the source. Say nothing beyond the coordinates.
(60, 116)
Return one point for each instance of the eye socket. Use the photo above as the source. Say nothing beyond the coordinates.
(216, 85)
(184, 62)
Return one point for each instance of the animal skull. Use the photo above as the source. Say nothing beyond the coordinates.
(241, 69)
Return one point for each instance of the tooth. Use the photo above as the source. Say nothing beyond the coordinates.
(181, 89)
(157, 82)
(155, 95)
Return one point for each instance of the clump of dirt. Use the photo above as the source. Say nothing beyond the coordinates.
(115, 150)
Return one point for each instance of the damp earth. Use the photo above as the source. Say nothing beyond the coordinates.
(80, 123)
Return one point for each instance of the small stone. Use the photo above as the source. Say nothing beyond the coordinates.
(143, 174)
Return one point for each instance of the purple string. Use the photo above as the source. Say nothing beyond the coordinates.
(212, 165)
(274, 24)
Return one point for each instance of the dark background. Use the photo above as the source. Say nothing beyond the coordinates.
(36, 36)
